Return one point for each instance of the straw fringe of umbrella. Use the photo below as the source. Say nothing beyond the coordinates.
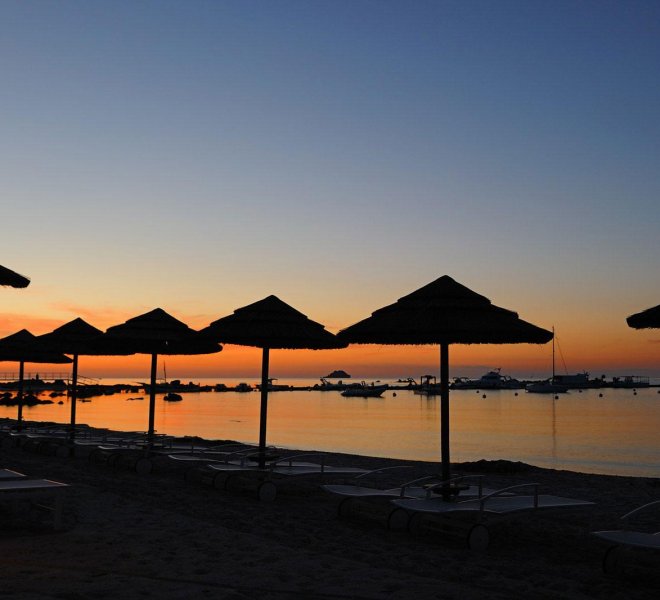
(647, 319)
(12, 279)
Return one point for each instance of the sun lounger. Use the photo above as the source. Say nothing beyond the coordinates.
(624, 539)
(9, 475)
(36, 489)
(359, 499)
(245, 474)
(430, 511)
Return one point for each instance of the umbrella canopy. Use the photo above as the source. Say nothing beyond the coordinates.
(270, 323)
(12, 279)
(75, 338)
(157, 332)
(444, 312)
(24, 347)
(647, 319)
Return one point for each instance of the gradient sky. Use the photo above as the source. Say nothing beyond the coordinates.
(201, 155)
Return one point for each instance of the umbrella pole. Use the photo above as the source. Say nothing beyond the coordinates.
(21, 373)
(73, 397)
(444, 410)
(264, 408)
(152, 400)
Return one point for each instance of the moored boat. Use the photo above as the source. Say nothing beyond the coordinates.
(493, 380)
(364, 390)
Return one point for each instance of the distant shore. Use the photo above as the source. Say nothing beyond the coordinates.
(134, 536)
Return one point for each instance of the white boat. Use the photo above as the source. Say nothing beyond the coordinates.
(427, 386)
(493, 380)
(545, 387)
(364, 390)
(548, 386)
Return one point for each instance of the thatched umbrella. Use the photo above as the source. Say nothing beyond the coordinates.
(444, 312)
(24, 347)
(75, 338)
(12, 279)
(647, 319)
(157, 332)
(266, 324)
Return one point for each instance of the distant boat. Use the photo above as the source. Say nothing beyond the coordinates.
(327, 386)
(364, 390)
(493, 380)
(243, 387)
(275, 387)
(630, 381)
(427, 386)
(548, 386)
(172, 397)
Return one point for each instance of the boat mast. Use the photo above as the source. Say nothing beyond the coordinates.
(553, 354)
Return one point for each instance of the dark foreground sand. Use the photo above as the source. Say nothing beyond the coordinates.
(158, 536)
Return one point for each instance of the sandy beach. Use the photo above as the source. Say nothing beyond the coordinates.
(160, 536)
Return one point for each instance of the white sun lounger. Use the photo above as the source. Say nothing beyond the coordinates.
(363, 500)
(36, 489)
(614, 559)
(9, 475)
(499, 502)
(282, 468)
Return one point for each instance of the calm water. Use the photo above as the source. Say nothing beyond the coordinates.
(616, 433)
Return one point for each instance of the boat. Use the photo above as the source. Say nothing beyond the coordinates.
(274, 387)
(328, 386)
(243, 387)
(172, 397)
(427, 386)
(493, 380)
(364, 390)
(630, 381)
(547, 386)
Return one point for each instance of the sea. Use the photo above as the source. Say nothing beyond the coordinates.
(607, 430)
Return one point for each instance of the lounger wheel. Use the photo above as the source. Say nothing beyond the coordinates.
(478, 538)
(266, 491)
(143, 466)
(613, 560)
(397, 520)
(113, 459)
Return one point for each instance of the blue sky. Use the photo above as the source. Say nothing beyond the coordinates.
(201, 155)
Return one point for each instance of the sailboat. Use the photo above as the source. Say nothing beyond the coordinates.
(549, 386)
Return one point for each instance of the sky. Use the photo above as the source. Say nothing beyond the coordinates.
(201, 155)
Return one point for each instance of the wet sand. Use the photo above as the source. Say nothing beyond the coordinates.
(160, 536)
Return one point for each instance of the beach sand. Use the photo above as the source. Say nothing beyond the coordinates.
(159, 536)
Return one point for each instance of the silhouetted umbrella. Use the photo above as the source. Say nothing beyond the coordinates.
(157, 332)
(270, 323)
(75, 338)
(24, 347)
(12, 279)
(647, 319)
(444, 312)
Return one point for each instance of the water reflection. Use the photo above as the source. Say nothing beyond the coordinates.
(615, 433)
